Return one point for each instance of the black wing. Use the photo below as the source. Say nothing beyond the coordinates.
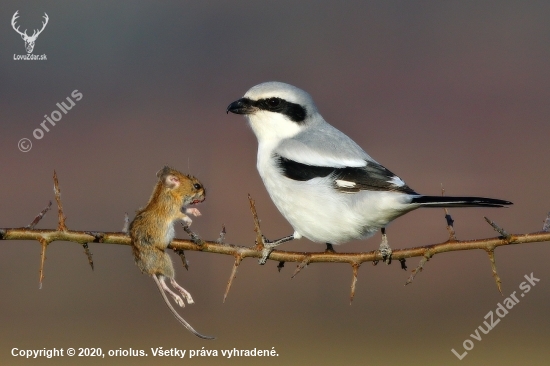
(372, 176)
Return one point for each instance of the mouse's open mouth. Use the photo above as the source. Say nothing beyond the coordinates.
(194, 202)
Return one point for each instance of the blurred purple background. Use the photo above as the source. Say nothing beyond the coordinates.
(453, 93)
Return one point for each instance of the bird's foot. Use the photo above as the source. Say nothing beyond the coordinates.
(269, 246)
(330, 248)
(385, 250)
(266, 251)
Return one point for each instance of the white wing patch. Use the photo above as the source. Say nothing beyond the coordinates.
(344, 183)
(396, 181)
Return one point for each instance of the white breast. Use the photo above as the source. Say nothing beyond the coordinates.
(322, 214)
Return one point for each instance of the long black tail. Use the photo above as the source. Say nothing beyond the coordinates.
(442, 201)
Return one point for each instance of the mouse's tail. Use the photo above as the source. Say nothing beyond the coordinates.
(175, 313)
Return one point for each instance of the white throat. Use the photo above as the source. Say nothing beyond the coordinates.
(271, 127)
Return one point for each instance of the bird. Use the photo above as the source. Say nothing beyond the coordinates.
(324, 184)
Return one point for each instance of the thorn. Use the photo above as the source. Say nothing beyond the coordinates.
(44, 243)
(194, 237)
(39, 217)
(355, 268)
(300, 266)
(88, 254)
(181, 253)
(259, 236)
(403, 263)
(449, 219)
(419, 268)
(61, 218)
(498, 229)
(221, 239)
(280, 266)
(126, 227)
(450, 227)
(491, 254)
(238, 260)
(546, 226)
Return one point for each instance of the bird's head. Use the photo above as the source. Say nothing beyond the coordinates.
(276, 110)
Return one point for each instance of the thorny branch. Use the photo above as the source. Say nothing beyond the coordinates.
(449, 219)
(546, 225)
(39, 216)
(426, 252)
(61, 218)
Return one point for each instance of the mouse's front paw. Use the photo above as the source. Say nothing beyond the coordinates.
(192, 211)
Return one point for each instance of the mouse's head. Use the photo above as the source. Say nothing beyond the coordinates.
(185, 188)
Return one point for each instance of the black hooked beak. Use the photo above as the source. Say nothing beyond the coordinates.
(241, 106)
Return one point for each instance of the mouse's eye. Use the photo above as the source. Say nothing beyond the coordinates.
(197, 186)
(273, 102)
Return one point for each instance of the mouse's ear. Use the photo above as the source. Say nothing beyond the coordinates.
(171, 181)
(165, 170)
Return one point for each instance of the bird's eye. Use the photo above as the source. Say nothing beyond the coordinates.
(273, 102)
(197, 186)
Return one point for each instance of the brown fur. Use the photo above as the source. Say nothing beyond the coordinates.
(152, 230)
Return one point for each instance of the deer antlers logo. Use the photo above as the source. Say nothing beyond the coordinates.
(29, 40)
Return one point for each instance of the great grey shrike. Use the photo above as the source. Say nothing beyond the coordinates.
(322, 182)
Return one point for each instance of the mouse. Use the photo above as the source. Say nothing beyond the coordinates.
(152, 230)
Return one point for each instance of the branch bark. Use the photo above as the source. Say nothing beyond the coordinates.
(239, 252)
(119, 238)
(45, 237)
